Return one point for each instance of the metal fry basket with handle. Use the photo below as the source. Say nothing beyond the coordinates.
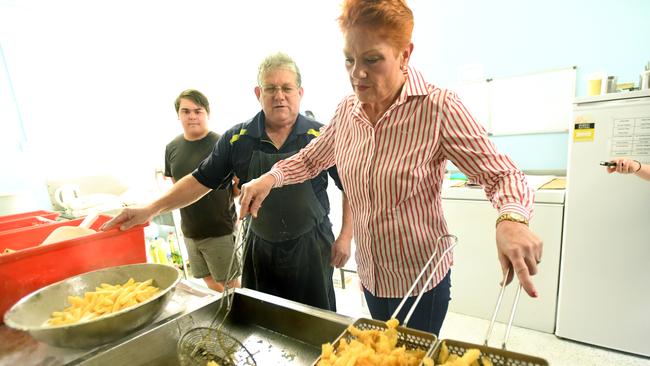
(200, 345)
(203, 344)
(490, 355)
(411, 339)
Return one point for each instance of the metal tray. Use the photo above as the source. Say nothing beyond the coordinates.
(410, 338)
(276, 331)
(499, 357)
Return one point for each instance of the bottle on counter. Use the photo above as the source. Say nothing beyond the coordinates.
(151, 255)
(159, 251)
(176, 257)
(611, 84)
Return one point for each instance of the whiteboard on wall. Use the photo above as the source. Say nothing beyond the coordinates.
(534, 103)
(475, 96)
(540, 102)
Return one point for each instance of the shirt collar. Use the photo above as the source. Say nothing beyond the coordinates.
(413, 86)
(255, 127)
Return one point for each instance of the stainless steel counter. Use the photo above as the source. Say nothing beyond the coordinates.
(276, 331)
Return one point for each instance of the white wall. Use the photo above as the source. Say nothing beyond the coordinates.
(95, 80)
(112, 68)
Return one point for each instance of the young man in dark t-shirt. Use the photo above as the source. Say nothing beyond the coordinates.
(208, 223)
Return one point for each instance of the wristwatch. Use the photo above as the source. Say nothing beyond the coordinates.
(512, 216)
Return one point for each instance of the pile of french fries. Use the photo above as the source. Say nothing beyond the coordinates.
(106, 299)
(471, 357)
(372, 347)
(375, 347)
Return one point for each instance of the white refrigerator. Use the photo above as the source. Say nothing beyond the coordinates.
(604, 292)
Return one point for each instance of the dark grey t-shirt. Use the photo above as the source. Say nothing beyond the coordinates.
(214, 214)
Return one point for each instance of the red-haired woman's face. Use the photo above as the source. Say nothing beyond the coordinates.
(373, 66)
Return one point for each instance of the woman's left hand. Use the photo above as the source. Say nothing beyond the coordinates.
(520, 249)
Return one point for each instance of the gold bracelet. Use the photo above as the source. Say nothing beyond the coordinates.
(638, 162)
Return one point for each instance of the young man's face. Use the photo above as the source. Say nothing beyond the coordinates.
(194, 119)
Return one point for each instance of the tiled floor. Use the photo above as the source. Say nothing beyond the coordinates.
(556, 351)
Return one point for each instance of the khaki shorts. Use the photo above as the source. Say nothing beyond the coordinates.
(211, 257)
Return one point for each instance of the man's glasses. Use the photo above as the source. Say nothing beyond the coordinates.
(271, 89)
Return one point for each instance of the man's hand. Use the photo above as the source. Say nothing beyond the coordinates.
(128, 218)
(520, 249)
(253, 193)
(340, 251)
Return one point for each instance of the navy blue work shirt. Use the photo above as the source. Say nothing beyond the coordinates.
(232, 153)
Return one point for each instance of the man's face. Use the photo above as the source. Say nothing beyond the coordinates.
(280, 97)
(194, 119)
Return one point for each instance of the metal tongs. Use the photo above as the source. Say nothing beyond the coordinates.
(496, 310)
(428, 281)
(240, 243)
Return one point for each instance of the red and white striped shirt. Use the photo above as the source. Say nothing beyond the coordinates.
(392, 174)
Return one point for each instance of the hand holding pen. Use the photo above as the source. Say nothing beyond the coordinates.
(622, 165)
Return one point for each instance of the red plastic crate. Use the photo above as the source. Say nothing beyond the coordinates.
(42, 213)
(24, 223)
(32, 266)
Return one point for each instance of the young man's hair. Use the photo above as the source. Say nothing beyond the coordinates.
(195, 96)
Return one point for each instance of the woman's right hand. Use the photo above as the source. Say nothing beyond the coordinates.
(253, 193)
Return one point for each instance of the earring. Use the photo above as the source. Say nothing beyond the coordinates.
(403, 67)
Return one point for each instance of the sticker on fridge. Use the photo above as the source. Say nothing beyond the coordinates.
(583, 131)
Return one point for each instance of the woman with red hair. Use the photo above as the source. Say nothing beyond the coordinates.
(391, 141)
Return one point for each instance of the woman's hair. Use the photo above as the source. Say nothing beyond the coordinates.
(195, 96)
(275, 61)
(391, 18)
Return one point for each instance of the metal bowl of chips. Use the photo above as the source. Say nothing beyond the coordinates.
(31, 313)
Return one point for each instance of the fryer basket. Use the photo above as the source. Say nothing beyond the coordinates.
(416, 339)
(499, 357)
(409, 338)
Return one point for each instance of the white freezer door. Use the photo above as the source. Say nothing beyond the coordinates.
(604, 296)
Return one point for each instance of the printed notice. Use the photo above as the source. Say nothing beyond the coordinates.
(631, 137)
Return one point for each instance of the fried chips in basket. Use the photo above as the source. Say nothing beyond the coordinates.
(469, 358)
(372, 347)
(388, 346)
